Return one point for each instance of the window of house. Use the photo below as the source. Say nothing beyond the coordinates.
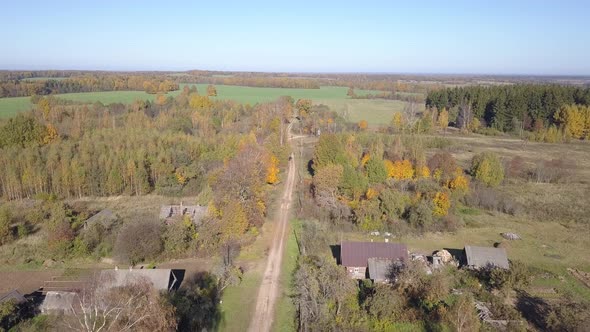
(356, 270)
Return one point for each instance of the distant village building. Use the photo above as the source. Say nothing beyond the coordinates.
(372, 259)
(173, 213)
(481, 257)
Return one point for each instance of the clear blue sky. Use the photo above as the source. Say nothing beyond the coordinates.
(495, 37)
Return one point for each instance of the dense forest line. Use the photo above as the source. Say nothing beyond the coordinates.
(87, 83)
(510, 107)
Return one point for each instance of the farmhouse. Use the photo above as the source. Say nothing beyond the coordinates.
(358, 257)
(481, 257)
(160, 279)
(171, 213)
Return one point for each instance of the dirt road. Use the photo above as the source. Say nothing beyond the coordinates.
(269, 289)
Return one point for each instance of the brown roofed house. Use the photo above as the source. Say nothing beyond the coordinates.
(354, 256)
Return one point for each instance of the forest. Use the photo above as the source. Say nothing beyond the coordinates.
(509, 107)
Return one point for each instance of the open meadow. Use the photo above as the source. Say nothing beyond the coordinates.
(375, 111)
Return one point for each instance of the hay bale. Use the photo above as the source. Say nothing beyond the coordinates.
(511, 236)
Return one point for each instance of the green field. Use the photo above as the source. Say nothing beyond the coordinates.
(374, 111)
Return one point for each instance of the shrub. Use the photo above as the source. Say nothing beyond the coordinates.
(5, 225)
(487, 168)
(420, 215)
(490, 199)
(139, 240)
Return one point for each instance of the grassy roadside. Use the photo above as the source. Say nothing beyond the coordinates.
(285, 309)
(236, 309)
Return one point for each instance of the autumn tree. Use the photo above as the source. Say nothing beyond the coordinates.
(303, 106)
(443, 119)
(5, 225)
(133, 307)
(442, 166)
(200, 102)
(211, 90)
(272, 171)
(575, 119)
(397, 121)
(442, 203)
(487, 168)
(363, 125)
(327, 179)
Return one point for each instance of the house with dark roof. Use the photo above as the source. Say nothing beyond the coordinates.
(481, 257)
(356, 257)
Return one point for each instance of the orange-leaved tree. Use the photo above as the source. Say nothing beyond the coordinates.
(272, 171)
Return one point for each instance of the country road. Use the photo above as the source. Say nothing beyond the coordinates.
(269, 288)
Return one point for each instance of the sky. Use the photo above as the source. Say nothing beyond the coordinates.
(448, 37)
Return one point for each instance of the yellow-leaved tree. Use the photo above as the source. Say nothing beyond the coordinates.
(363, 124)
(401, 170)
(459, 182)
(443, 119)
(442, 203)
(398, 121)
(272, 171)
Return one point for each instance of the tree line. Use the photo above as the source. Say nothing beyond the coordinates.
(87, 83)
(509, 107)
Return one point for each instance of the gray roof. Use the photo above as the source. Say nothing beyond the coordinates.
(105, 217)
(196, 212)
(12, 295)
(379, 268)
(161, 279)
(479, 257)
(58, 301)
(357, 253)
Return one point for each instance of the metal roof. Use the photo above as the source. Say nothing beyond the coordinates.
(161, 279)
(379, 268)
(479, 257)
(61, 301)
(357, 253)
(12, 295)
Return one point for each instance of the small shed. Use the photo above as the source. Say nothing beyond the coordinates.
(481, 257)
(58, 303)
(106, 218)
(160, 279)
(13, 295)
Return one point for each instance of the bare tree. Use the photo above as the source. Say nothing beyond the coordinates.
(465, 115)
(136, 307)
